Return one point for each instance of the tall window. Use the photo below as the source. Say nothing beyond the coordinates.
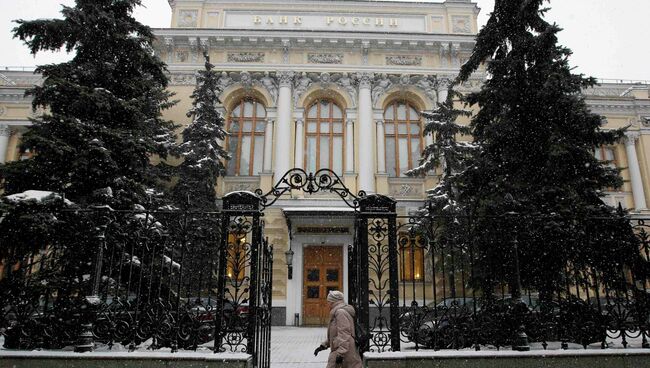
(246, 123)
(403, 130)
(411, 258)
(324, 136)
(608, 155)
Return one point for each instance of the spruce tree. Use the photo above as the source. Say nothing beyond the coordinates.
(201, 148)
(535, 180)
(445, 152)
(103, 121)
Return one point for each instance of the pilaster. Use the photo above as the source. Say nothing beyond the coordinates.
(5, 134)
(635, 171)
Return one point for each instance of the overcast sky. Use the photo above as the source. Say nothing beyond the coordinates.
(610, 38)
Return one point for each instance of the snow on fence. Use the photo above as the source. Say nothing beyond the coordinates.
(149, 278)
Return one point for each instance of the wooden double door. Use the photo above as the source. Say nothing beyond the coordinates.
(322, 272)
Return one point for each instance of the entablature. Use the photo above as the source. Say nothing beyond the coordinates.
(273, 39)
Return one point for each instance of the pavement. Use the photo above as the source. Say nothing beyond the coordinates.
(293, 347)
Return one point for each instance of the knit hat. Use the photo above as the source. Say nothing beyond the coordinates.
(334, 296)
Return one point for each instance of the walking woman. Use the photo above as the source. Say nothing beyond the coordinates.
(340, 334)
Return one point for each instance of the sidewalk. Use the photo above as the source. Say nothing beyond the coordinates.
(293, 347)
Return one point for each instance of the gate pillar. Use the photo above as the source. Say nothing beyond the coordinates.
(241, 277)
(377, 289)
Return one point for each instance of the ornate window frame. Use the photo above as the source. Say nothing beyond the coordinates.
(331, 134)
(254, 132)
(392, 132)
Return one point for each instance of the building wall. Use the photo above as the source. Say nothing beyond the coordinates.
(286, 54)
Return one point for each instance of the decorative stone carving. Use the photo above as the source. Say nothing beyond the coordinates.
(5, 131)
(225, 81)
(305, 80)
(325, 58)
(364, 80)
(404, 60)
(325, 79)
(285, 78)
(405, 188)
(645, 121)
(270, 84)
(381, 85)
(246, 57)
(183, 79)
(248, 80)
(428, 84)
(285, 51)
(461, 24)
(632, 136)
(365, 50)
(188, 18)
(345, 82)
(444, 52)
(3, 110)
(302, 84)
(181, 56)
(205, 45)
(194, 49)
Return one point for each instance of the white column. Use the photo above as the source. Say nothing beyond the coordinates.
(268, 146)
(381, 147)
(5, 133)
(443, 89)
(300, 139)
(635, 172)
(349, 146)
(366, 168)
(283, 126)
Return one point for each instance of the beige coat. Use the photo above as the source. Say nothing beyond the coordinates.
(340, 337)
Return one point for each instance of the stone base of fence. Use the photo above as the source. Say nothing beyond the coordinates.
(636, 358)
(51, 359)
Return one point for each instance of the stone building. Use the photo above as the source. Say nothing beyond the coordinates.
(336, 84)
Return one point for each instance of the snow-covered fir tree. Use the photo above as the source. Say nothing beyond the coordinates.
(447, 153)
(535, 179)
(201, 147)
(103, 121)
(93, 145)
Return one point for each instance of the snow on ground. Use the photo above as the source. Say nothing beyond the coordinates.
(293, 347)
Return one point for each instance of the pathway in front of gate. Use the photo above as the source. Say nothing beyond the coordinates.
(293, 347)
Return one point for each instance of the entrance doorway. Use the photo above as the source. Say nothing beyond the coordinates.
(323, 271)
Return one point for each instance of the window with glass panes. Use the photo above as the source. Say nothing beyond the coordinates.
(246, 123)
(324, 133)
(411, 258)
(403, 132)
(608, 155)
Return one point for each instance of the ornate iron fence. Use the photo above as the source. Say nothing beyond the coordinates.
(141, 277)
(442, 307)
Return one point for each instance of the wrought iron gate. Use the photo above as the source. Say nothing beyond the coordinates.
(245, 277)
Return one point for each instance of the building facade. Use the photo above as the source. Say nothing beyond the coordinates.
(340, 85)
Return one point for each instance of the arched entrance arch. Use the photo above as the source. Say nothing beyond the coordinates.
(246, 259)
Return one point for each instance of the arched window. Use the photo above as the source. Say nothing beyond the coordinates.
(324, 136)
(246, 123)
(403, 130)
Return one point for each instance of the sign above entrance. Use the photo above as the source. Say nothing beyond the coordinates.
(325, 21)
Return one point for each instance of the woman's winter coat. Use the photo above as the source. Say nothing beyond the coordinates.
(340, 337)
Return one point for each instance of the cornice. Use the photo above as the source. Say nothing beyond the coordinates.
(187, 68)
(310, 39)
(354, 4)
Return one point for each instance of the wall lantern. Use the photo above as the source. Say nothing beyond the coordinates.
(289, 257)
